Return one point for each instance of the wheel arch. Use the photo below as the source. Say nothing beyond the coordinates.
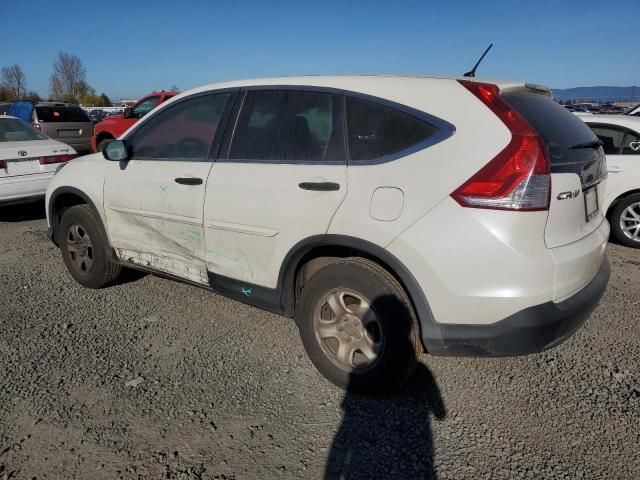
(618, 199)
(321, 249)
(63, 198)
(103, 135)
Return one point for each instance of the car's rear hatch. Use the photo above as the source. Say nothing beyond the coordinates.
(578, 165)
(68, 124)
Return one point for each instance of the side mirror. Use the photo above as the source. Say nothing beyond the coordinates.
(127, 113)
(115, 150)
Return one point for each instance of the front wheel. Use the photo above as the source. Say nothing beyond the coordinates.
(358, 326)
(85, 249)
(625, 221)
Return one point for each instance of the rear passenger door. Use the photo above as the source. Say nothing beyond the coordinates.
(280, 178)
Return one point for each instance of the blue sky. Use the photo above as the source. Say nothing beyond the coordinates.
(132, 47)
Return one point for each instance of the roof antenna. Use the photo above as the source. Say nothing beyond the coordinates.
(472, 72)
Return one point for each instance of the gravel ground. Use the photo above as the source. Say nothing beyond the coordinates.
(154, 379)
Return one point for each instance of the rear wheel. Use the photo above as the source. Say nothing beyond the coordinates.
(358, 326)
(625, 221)
(85, 249)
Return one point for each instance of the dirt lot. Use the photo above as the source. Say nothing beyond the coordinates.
(154, 379)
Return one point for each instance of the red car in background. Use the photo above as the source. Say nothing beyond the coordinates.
(115, 125)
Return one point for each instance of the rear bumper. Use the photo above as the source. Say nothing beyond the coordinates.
(531, 330)
(24, 188)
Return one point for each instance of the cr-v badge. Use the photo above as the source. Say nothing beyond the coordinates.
(566, 195)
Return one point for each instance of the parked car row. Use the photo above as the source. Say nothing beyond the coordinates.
(65, 122)
(350, 204)
(595, 108)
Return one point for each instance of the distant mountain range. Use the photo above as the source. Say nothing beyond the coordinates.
(598, 94)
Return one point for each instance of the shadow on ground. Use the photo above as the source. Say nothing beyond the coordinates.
(23, 212)
(396, 445)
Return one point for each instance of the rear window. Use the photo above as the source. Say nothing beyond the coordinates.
(14, 130)
(62, 114)
(559, 128)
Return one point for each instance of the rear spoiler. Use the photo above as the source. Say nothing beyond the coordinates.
(529, 87)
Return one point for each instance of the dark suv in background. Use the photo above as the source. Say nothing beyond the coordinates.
(64, 122)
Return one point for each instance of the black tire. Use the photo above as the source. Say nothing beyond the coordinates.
(393, 331)
(617, 221)
(101, 144)
(80, 229)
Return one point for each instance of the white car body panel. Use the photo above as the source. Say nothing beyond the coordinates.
(425, 167)
(255, 213)
(566, 223)
(85, 174)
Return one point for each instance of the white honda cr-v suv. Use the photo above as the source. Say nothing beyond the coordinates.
(387, 215)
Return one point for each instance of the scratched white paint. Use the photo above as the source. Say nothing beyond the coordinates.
(258, 211)
(188, 268)
(154, 221)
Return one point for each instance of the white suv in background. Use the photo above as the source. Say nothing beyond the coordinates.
(387, 215)
(620, 136)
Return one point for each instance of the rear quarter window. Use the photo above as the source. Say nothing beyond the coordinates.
(376, 131)
(62, 114)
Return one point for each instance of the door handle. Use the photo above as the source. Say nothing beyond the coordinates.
(189, 181)
(319, 186)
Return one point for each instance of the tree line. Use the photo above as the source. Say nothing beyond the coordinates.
(67, 83)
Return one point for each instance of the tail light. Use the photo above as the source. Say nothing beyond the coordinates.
(518, 178)
(37, 126)
(56, 159)
(3, 164)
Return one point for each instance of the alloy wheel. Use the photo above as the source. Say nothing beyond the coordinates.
(348, 330)
(630, 222)
(80, 249)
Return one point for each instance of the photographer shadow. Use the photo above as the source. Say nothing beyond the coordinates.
(389, 436)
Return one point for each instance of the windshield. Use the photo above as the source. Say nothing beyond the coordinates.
(14, 130)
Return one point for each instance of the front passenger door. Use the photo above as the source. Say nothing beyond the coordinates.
(153, 202)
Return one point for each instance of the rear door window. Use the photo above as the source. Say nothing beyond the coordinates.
(612, 138)
(289, 126)
(631, 143)
(376, 131)
(61, 114)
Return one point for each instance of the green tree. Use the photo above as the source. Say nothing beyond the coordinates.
(106, 101)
